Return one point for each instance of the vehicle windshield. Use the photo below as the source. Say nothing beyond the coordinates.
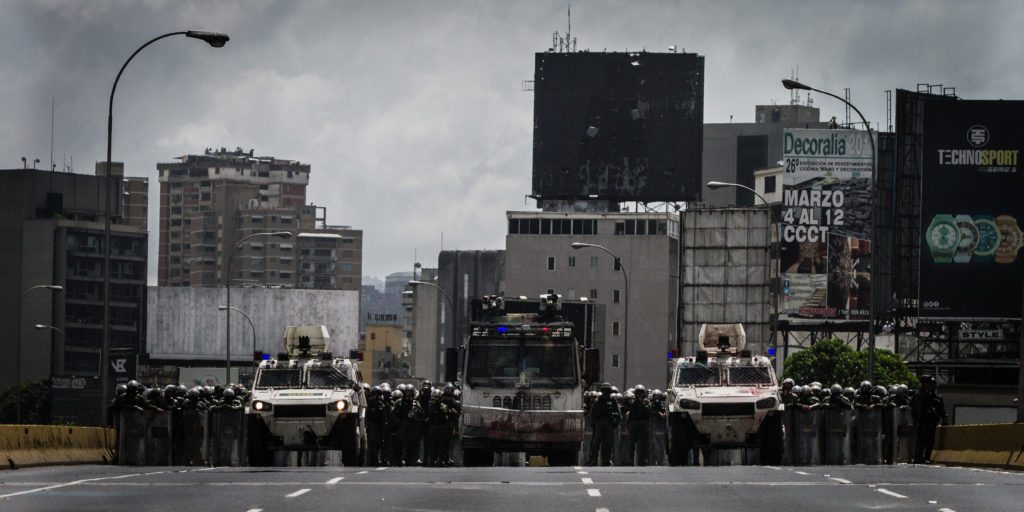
(327, 378)
(508, 363)
(698, 375)
(750, 375)
(494, 364)
(279, 378)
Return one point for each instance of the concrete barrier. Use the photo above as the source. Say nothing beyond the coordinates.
(999, 445)
(43, 445)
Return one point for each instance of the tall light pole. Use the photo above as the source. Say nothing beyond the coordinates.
(773, 255)
(227, 287)
(214, 39)
(625, 320)
(40, 327)
(451, 305)
(17, 346)
(872, 315)
(223, 308)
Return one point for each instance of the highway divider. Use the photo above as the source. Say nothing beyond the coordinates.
(998, 445)
(44, 445)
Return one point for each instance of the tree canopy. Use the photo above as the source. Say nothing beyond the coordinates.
(832, 361)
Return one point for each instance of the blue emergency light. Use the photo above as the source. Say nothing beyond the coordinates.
(502, 329)
(266, 357)
(771, 351)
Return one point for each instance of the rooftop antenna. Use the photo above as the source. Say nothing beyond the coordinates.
(564, 44)
(53, 166)
(794, 94)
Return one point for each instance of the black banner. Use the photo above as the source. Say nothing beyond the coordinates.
(971, 210)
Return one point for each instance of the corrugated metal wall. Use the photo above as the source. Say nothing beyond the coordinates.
(183, 323)
(725, 273)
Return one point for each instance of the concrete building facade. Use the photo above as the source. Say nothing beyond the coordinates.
(53, 232)
(423, 306)
(540, 258)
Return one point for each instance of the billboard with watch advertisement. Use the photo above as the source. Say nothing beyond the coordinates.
(971, 210)
(826, 221)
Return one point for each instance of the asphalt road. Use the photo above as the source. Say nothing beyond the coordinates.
(626, 489)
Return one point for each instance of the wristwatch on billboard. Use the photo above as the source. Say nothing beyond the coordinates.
(1011, 240)
(942, 237)
(968, 238)
(988, 238)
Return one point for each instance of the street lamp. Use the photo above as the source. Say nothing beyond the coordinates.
(444, 294)
(715, 185)
(223, 308)
(227, 286)
(40, 327)
(214, 39)
(793, 84)
(625, 321)
(17, 347)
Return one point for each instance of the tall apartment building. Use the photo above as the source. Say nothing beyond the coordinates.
(210, 202)
(539, 258)
(53, 232)
(135, 201)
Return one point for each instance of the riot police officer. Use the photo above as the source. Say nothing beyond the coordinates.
(605, 416)
(836, 400)
(786, 394)
(639, 423)
(928, 410)
(376, 413)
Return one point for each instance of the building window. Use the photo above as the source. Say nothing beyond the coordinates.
(615, 360)
(615, 328)
(513, 226)
(551, 262)
(545, 226)
(615, 296)
(593, 262)
(618, 264)
(593, 293)
(347, 267)
(572, 261)
(769, 184)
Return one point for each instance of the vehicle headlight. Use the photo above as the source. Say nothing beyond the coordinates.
(262, 406)
(766, 403)
(340, 405)
(689, 404)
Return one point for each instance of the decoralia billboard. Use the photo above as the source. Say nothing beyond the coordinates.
(825, 246)
(971, 210)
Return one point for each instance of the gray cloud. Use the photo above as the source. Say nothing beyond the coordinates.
(411, 113)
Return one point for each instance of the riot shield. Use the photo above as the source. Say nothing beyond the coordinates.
(623, 448)
(903, 429)
(131, 441)
(659, 442)
(836, 439)
(806, 437)
(158, 438)
(789, 430)
(191, 438)
(227, 437)
(867, 426)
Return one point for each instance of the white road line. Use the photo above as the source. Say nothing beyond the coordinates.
(582, 473)
(254, 510)
(58, 486)
(932, 502)
(890, 493)
(577, 467)
(773, 467)
(382, 468)
(841, 480)
(335, 480)
(946, 510)
(594, 493)
(802, 473)
(601, 510)
(589, 481)
(362, 472)
(297, 493)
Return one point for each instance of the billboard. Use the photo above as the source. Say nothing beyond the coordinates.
(618, 126)
(971, 210)
(825, 250)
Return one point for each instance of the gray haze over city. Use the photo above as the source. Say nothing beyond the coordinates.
(412, 114)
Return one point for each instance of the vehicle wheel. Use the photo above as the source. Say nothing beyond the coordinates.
(350, 442)
(772, 440)
(566, 457)
(475, 457)
(257, 447)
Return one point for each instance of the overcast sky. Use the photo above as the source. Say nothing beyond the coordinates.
(412, 114)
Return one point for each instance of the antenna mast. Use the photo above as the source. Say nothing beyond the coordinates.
(564, 44)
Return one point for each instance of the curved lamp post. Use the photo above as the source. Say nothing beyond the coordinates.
(227, 286)
(793, 84)
(625, 321)
(714, 185)
(214, 39)
(17, 347)
(253, 327)
(444, 294)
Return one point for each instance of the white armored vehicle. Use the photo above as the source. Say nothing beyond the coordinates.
(306, 399)
(724, 397)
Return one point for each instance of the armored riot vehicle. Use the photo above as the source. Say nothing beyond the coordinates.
(724, 397)
(306, 399)
(523, 380)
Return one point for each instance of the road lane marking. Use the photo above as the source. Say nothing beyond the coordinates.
(577, 467)
(362, 472)
(254, 510)
(594, 493)
(335, 480)
(946, 510)
(582, 473)
(382, 468)
(297, 493)
(890, 493)
(773, 467)
(841, 480)
(68, 484)
(588, 481)
(932, 502)
(601, 510)
(802, 473)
